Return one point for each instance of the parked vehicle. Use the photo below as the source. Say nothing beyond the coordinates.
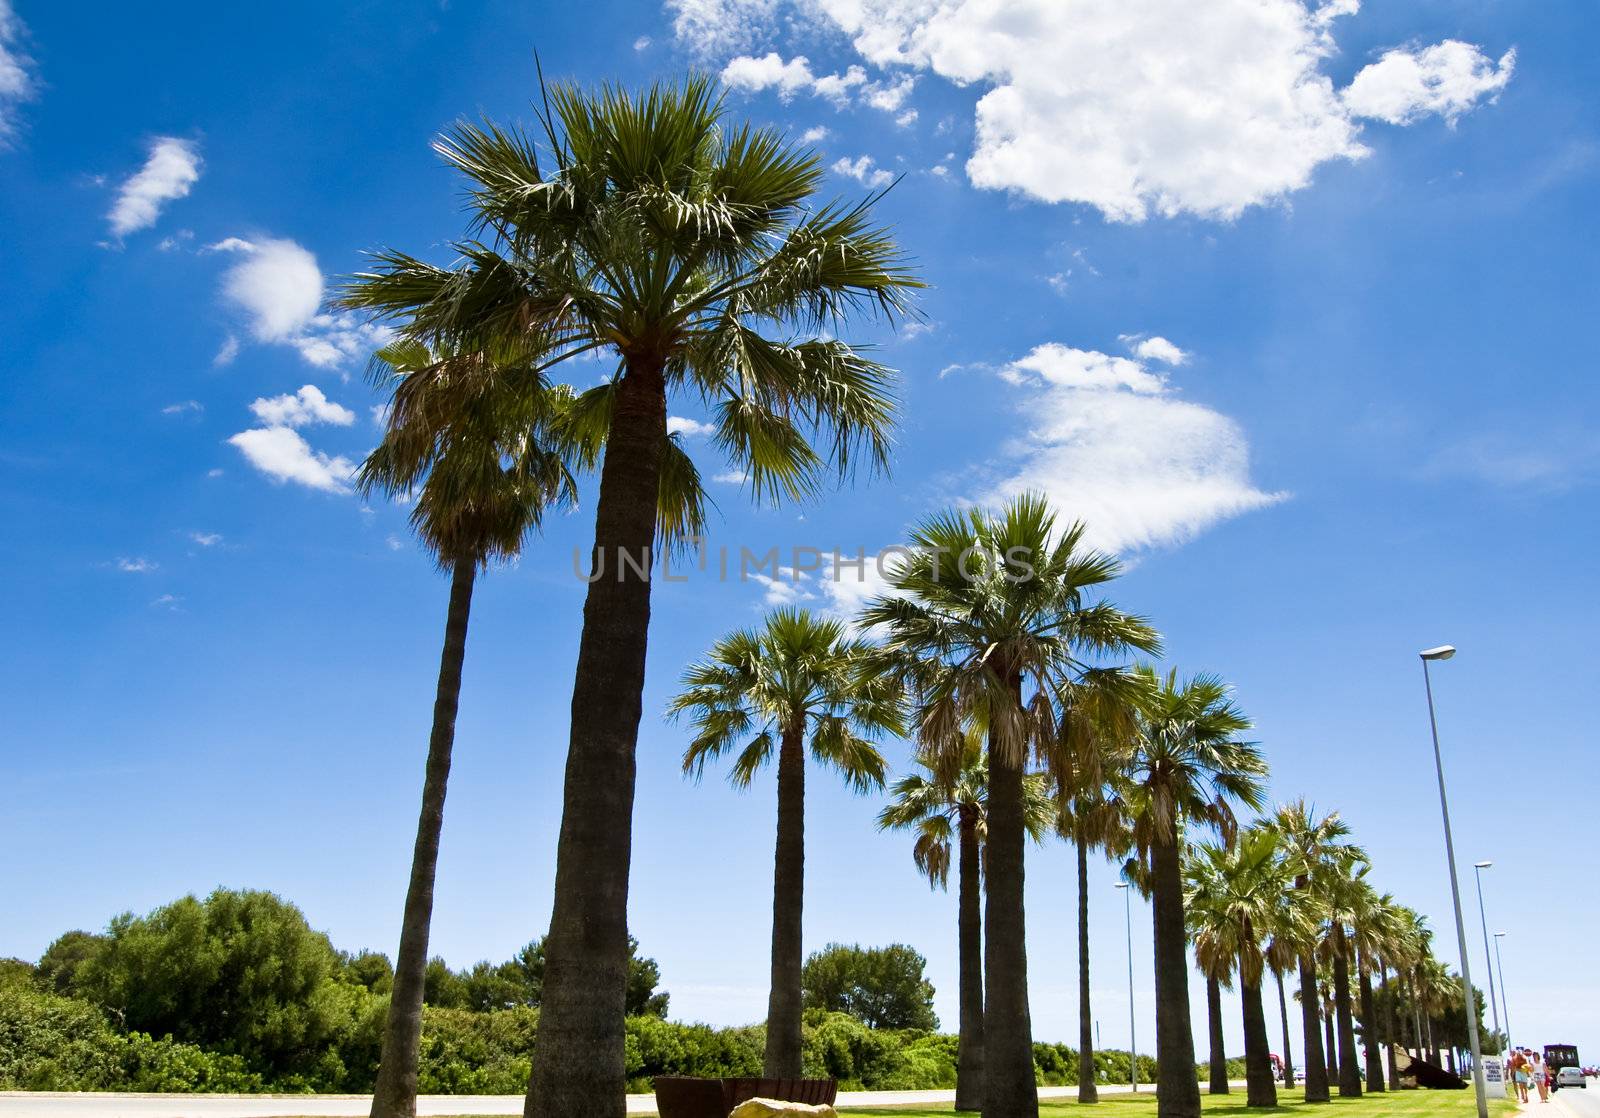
(1563, 1066)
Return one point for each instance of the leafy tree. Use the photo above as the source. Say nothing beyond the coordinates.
(370, 970)
(1188, 767)
(798, 683)
(240, 972)
(63, 959)
(690, 249)
(946, 805)
(992, 613)
(476, 455)
(882, 987)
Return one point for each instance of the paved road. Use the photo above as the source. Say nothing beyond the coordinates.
(22, 1104)
(1570, 1102)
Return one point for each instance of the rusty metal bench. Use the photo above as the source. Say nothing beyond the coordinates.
(679, 1096)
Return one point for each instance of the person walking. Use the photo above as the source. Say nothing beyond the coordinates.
(1519, 1073)
(1541, 1076)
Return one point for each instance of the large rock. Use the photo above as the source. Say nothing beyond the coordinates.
(772, 1108)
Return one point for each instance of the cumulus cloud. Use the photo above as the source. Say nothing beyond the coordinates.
(1111, 442)
(753, 74)
(300, 409)
(1446, 79)
(278, 287)
(284, 455)
(769, 71)
(17, 82)
(814, 135)
(862, 170)
(688, 428)
(712, 28)
(1157, 348)
(1141, 107)
(172, 168)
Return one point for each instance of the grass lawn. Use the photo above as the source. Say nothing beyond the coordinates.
(1456, 1104)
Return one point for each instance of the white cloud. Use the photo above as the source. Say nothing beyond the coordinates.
(731, 477)
(785, 590)
(17, 83)
(720, 27)
(862, 170)
(837, 87)
(226, 352)
(304, 407)
(1112, 444)
(1447, 78)
(888, 96)
(206, 539)
(768, 72)
(167, 175)
(279, 287)
(642, 43)
(137, 566)
(814, 135)
(688, 428)
(1159, 106)
(283, 455)
(1157, 348)
(184, 407)
(395, 543)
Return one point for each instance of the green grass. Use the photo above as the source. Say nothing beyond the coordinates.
(1447, 1104)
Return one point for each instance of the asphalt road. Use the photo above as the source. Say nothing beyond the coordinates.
(1572, 1102)
(23, 1104)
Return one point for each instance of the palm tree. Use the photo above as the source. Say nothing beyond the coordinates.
(1189, 766)
(764, 692)
(1234, 899)
(1216, 960)
(690, 249)
(1312, 841)
(1372, 931)
(996, 608)
(1097, 723)
(1294, 931)
(947, 805)
(482, 476)
(1341, 888)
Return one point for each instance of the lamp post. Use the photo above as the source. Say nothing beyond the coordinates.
(1477, 870)
(1505, 1003)
(1133, 1038)
(1468, 1001)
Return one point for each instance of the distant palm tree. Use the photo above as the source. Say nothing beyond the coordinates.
(1190, 766)
(1236, 904)
(1373, 930)
(649, 227)
(480, 464)
(946, 805)
(1099, 717)
(1313, 842)
(1000, 603)
(763, 693)
(1341, 887)
(1211, 932)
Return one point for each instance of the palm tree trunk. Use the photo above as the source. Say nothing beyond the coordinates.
(1260, 1088)
(578, 1062)
(1009, 1090)
(969, 1050)
(1087, 1091)
(1219, 1056)
(1332, 1063)
(1311, 1023)
(1369, 1031)
(788, 889)
(1391, 1029)
(395, 1093)
(1349, 1065)
(1177, 1087)
(1288, 1050)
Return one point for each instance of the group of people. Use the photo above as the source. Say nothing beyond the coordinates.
(1527, 1070)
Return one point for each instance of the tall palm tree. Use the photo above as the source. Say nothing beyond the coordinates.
(946, 805)
(1372, 931)
(763, 693)
(1189, 766)
(482, 468)
(1097, 723)
(1234, 899)
(998, 604)
(1312, 841)
(1342, 887)
(690, 249)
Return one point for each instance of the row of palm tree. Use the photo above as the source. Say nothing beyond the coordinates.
(649, 228)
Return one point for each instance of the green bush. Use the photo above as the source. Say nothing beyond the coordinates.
(467, 1053)
(51, 1043)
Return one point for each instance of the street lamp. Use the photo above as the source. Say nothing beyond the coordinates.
(1133, 1039)
(1505, 1004)
(1468, 1001)
(1477, 870)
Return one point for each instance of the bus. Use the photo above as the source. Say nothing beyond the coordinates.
(1558, 1056)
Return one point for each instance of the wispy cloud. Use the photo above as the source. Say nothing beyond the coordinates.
(137, 565)
(172, 169)
(17, 81)
(206, 539)
(184, 407)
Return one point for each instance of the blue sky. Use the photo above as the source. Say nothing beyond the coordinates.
(1288, 302)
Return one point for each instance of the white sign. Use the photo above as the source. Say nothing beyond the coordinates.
(1494, 1074)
